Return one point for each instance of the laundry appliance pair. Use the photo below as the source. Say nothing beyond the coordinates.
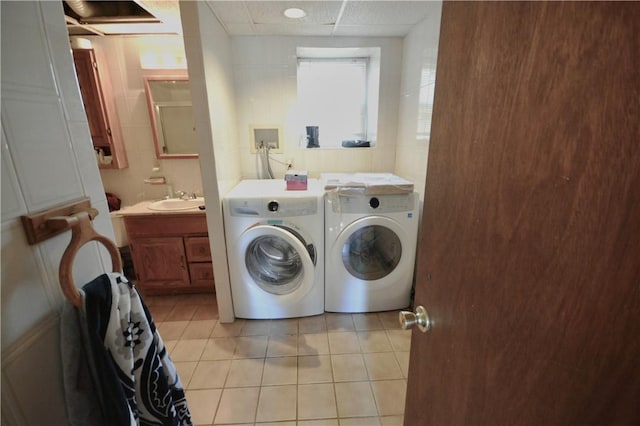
(338, 246)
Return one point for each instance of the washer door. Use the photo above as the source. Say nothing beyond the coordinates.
(371, 248)
(278, 259)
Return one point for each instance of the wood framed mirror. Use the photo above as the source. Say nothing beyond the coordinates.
(171, 115)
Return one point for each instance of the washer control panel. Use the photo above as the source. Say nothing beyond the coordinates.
(274, 207)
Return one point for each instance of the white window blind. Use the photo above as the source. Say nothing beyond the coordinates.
(332, 94)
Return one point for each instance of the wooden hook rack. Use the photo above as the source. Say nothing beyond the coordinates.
(48, 223)
(76, 216)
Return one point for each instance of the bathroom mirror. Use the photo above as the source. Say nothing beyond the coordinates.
(171, 115)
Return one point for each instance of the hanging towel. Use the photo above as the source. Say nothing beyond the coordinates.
(130, 367)
(85, 402)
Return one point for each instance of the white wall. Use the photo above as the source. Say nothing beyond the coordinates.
(266, 87)
(209, 58)
(126, 73)
(47, 159)
(420, 55)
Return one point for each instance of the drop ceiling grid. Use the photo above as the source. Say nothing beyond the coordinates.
(359, 18)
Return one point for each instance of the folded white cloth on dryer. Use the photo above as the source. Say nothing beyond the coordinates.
(366, 183)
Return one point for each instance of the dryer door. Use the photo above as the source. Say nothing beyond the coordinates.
(371, 248)
(278, 259)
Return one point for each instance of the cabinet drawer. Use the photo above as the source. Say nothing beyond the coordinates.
(165, 225)
(198, 249)
(201, 273)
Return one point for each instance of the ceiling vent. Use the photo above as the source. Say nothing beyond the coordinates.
(101, 12)
(85, 17)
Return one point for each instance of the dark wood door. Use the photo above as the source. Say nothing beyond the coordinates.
(529, 257)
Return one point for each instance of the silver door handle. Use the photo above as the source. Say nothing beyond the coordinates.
(409, 319)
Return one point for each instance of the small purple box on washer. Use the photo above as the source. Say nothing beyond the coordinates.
(296, 180)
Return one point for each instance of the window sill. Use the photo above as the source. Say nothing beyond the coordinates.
(362, 148)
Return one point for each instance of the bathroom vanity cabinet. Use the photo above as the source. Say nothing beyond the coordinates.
(170, 252)
(99, 105)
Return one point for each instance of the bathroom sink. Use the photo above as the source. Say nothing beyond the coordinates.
(176, 204)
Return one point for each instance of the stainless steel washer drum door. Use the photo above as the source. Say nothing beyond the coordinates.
(277, 260)
(371, 248)
(372, 252)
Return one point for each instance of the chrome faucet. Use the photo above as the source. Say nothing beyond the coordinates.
(183, 195)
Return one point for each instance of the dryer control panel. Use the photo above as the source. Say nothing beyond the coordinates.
(379, 204)
(267, 208)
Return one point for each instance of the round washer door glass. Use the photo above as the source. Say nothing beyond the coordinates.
(372, 252)
(274, 264)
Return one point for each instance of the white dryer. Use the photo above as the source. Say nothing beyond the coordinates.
(275, 249)
(370, 243)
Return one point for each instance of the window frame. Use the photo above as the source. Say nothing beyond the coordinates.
(346, 56)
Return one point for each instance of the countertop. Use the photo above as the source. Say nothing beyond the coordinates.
(141, 209)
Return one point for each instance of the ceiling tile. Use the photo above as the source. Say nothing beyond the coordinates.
(234, 29)
(293, 29)
(230, 12)
(372, 30)
(385, 12)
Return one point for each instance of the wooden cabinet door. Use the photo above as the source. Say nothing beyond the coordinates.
(92, 97)
(99, 105)
(160, 262)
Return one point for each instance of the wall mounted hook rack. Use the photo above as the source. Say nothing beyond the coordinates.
(48, 223)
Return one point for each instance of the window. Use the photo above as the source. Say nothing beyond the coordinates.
(334, 95)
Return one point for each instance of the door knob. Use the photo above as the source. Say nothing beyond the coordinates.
(421, 318)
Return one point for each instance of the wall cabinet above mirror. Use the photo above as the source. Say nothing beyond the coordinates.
(171, 115)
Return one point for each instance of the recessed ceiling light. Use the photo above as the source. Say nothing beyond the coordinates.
(295, 13)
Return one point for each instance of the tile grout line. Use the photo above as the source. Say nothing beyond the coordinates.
(255, 414)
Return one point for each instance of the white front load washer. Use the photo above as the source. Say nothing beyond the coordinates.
(275, 249)
(370, 246)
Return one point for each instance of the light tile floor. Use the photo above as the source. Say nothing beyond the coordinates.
(325, 370)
